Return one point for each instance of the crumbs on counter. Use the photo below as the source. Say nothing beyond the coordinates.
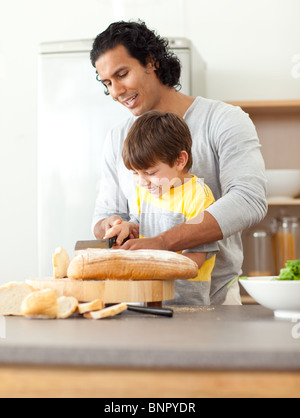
(189, 309)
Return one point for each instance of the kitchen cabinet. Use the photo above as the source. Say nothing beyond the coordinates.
(278, 127)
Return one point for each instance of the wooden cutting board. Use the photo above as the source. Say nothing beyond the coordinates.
(110, 291)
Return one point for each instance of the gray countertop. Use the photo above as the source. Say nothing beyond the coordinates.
(222, 337)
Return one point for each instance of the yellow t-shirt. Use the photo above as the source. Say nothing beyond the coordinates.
(185, 203)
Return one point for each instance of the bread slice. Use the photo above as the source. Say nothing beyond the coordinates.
(107, 312)
(61, 262)
(99, 264)
(11, 297)
(95, 305)
(40, 304)
(67, 305)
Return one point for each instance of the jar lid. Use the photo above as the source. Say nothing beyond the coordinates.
(293, 219)
(260, 234)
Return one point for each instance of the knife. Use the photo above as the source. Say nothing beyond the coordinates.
(98, 243)
(168, 312)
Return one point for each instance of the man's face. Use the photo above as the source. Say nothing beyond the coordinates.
(134, 86)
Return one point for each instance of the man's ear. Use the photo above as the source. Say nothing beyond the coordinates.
(182, 160)
(151, 64)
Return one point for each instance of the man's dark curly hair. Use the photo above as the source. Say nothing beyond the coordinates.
(141, 43)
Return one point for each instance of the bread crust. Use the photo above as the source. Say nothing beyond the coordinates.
(99, 264)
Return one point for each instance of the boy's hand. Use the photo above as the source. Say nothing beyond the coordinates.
(104, 225)
(120, 230)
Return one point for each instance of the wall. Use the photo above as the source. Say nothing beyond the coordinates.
(248, 48)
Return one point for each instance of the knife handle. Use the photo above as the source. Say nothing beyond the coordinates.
(113, 241)
(153, 311)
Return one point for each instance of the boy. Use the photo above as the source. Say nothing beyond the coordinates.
(158, 151)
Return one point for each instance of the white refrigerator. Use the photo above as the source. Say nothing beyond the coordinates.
(74, 116)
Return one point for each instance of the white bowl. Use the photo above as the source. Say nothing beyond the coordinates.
(283, 184)
(281, 296)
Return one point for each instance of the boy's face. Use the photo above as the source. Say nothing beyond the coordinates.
(128, 82)
(159, 179)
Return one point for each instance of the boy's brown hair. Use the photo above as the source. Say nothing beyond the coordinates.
(157, 137)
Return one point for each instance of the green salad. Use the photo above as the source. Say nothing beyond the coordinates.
(291, 271)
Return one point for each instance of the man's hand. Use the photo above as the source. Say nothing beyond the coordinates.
(156, 243)
(135, 233)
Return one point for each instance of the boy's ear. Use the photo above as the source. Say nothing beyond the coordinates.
(182, 160)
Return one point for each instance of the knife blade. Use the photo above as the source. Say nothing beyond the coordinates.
(98, 243)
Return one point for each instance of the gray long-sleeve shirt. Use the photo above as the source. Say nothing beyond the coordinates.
(227, 155)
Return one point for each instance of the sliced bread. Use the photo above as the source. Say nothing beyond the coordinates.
(95, 305)
(107, 312)
(11, 297)
(67, 305)
(40, 304)
(61, 262)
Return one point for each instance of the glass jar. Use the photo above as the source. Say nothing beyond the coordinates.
(261, 254)
(287, 239)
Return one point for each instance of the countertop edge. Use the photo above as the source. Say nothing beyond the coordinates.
(152, 359)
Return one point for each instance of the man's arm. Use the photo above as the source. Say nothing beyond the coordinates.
(181, 236)
(111, 204)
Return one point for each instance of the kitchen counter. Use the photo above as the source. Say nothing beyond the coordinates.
(223, 338)
(226, 337)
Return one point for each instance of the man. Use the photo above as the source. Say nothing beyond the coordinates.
(139, 72)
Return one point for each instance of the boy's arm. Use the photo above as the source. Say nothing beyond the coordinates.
(181, 236)
(199, 258)
(200, 230)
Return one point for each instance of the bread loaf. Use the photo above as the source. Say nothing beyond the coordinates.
(131, 265)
